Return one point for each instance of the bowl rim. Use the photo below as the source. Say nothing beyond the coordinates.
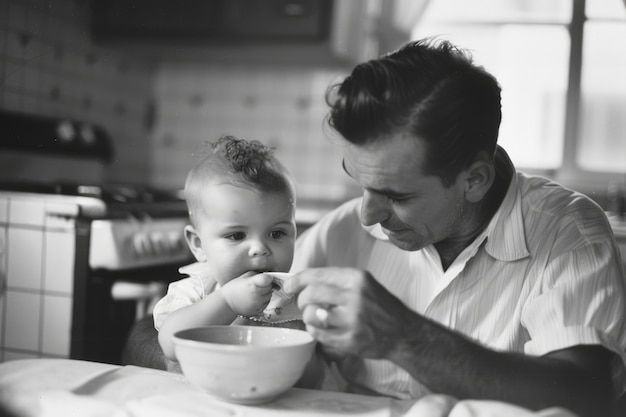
(223, 346)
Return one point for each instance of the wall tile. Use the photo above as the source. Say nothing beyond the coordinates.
(59, 255)
(56, 329)
(22, 321)
(4, 209)
(24, 260)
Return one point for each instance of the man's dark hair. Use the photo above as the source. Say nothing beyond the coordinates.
(428, 89)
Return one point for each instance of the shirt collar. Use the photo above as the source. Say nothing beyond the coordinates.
(506, 238)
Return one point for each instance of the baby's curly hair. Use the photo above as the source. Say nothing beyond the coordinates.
(251, 158)
(239, 162)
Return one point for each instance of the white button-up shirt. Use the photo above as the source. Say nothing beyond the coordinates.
(545, 274)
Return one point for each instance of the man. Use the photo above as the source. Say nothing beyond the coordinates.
(453, 273)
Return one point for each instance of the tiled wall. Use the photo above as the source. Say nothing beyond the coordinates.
(280, 106)
(49, 65)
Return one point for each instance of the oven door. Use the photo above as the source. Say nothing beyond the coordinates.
(125, 268)
(109, 305)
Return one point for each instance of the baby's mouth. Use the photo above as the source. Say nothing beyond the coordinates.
(275, 285)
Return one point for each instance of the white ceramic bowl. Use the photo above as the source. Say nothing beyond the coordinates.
(243, 364)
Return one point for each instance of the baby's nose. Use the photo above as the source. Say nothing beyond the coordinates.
(259, 249)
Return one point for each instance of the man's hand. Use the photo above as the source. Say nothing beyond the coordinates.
(248, 294)
(363, 318)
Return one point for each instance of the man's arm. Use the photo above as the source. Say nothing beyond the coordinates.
(366, 320)
(577, 378)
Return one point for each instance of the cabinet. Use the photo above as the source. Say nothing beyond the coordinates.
(212, 20)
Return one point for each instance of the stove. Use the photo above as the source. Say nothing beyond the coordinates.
(130, 226)
(85, 256)
(103, 200)
(79, 261)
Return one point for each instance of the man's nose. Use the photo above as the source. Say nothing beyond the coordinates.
(258, 248)
(374, 209)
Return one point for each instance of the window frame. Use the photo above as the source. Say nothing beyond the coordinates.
(570, 173)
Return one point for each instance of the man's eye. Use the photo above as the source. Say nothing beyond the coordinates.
(397, 199)
(277, 234)
(236, 236)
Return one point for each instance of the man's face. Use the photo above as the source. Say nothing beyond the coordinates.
(241, 230)
(414, 210)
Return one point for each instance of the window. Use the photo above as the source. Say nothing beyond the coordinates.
(562, 67)
(602, 134)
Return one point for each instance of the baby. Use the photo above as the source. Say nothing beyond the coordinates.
(241, 203)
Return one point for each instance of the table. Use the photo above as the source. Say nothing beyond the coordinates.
(65, 387)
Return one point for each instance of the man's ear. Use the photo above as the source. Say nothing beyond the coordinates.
(479, 178)
(194, 242)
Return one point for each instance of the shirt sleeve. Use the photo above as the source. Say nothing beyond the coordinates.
(180, 294)
(310, 250)
(580, 302)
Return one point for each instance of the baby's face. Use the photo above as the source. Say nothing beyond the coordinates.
(242, 230)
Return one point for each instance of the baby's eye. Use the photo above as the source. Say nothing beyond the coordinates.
(236, 236)
(277, 234)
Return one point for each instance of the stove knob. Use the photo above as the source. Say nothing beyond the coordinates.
(65, 131)
(159, 244)
(141, 245)
(87, 134)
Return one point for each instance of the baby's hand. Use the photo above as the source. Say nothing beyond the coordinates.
(248, 294)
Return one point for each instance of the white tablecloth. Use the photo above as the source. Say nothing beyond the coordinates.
(63, 387)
